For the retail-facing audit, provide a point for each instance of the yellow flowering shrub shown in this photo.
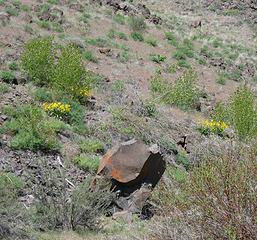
(212, 127)
(57, 109)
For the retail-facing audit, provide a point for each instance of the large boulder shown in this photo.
(132, 164)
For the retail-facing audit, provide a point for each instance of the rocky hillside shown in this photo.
(79, 77)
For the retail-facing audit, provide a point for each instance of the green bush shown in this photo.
(38, 59)
(43, 95)
(137, 36)
(223, 190)
(4, 88)
(182, 158)
(89, 56)
(137, 24)
(157, 58)
(244, 113)
(32, 129)
(7, 77)
(240, 113)
(120, 19)
(151, 41)
(184, 93)
(171, 38)
(69, 74)
(91, 146)
(184, 50)
(87, 162)
(13, 11)
(158, 84)
(13, 66)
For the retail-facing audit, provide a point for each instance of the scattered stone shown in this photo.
(106, 51)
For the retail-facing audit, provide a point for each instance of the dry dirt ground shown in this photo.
(126, 69)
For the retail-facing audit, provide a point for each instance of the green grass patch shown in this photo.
(87, 162)
(32, 129)
(137, 36)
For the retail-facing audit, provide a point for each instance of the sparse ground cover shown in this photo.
(76, 78)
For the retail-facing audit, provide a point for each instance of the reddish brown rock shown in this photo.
(132, 164)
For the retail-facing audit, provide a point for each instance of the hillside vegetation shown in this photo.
(78, 77)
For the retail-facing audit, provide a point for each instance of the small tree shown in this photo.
(69, 74)
(38, 59)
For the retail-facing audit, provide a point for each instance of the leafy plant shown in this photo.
(4, 88)
(69, 74)
(38, 59)
(91, 146)
(184, 50)
(32, 129)
(120, 19)
(89, 56)
(151, 41)
(13, 66)
(171, 38)
(184, 93)
(87, 162)
(137, 36)
(222, 189)
(240, 113)
(158, 58)
(7, 77)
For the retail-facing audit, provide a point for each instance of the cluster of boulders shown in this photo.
(129, 9)
(248, 8)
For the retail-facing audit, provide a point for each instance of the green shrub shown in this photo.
(43, 95)
(151, 41)
(240, 113)
(120, 19)
(182, 158)
(87, 162)
(137, 36)
(123, 56)
(184, 50)
(44, 24)
(122, 35)
(38, 59)
(91, 146)
(223, 190)
(10, 208)
(32, 129)
(184, 64)
(7, 77)
(171, 38)
(149, 109)
(89, 56)
(13, 66)
(222, 78)
(158, 84)
(4, 88)
(69, 74)
(244, 113)
(12, 11)
(158, 58)
(137, 24)
(88, 206)
(184, 92)
(99, 42)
